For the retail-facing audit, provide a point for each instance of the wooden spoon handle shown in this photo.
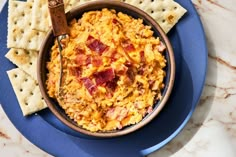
(58, 17)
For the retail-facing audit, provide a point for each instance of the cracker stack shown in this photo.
(28, 23)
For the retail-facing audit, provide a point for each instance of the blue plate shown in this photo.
(45, 131)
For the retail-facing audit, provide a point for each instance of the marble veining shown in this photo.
(212, 129)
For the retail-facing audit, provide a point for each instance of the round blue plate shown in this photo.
(45, 131)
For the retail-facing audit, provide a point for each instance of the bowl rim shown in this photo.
(168, 87)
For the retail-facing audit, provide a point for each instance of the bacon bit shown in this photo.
(97, 61)
(112, 84)
(161, 47)
(90, 86)
(88, 60)
(96, 45)
(104, 76)
(127, 45)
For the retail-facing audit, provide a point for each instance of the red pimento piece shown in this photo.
(97, 61)
(141, 70)
(90, 86)
(96, 45)
(76, 71)
(113, 56)
(142, 57)
(131, 75)
(79, 50)
(127, 45)
(114, 21)
(104, 76)
(81, 59)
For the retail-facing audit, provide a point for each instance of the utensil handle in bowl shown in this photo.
(58, 17)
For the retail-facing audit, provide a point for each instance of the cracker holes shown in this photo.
(26, 103)
(37, 33)
(23, 14)
(29, 41)
(31, 93)
(21, 90)
(163, 21)
(30, 23)
(152, 0)
(15, 75)
(140, 2)
(163, 10)
(16, 52)
(15, 5)
(30, 63)
(152, 11)
(27, 52)
(175, 8)
(15, 22)
(26, 80)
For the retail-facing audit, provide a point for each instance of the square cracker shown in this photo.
(26, 60)
(40, 14)
(166, 12)
(20, 34)
(27, 91)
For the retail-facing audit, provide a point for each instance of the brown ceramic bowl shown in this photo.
(44, 56)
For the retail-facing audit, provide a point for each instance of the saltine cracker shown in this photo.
(20, 34)
(24, 59)
(27, 91)
(166, 12)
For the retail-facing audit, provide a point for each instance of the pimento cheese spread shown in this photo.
(113, 71)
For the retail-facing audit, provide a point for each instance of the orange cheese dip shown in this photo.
(112, 71)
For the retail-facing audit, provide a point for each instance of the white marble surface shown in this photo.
(212, 129)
